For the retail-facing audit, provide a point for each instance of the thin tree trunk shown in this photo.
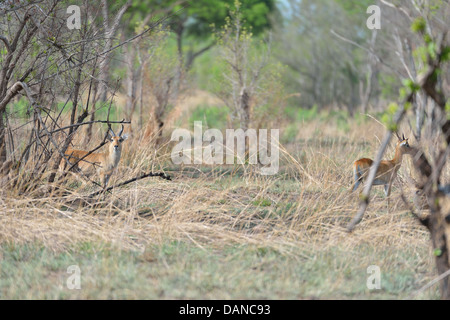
(3, 153)
(179, 30)
(92, 118)
(131, 83)
(109, 33)
(141, 94)
(193, 55)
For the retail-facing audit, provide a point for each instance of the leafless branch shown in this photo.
(150, 174)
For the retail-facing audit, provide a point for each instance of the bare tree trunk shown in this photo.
(420, 115)
(141, 91)
(131, 92)
(372, 65)
(133, 75)
(92, 117)
(179, 30)
(194, 55)
(244, 109)
(3, 154)
(160, 125)
(5, 74)
(436, 226)
(162, 99)
(109, 33)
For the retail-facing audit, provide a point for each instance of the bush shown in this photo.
(214, 116)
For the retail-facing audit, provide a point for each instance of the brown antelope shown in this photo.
(387, 171)
(104, 163)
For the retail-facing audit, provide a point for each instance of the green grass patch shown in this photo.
(262, 202)
(183, 270)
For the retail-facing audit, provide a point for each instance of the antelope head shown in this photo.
(403, 144)
(115, 147)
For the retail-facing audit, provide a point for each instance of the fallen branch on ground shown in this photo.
(150, 174)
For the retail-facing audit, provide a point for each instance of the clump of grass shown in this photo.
(262, 202)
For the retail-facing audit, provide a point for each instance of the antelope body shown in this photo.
(387, 170)
(103, 163)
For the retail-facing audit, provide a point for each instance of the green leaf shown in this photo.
(432, 50)
(363, 197)
(393, 107)
(445, 55)
(421, 53)
(393, 126)
(411, 85)
(403, 92)
(262, 202)
(419, 25)
(437, 252)
(447, 109)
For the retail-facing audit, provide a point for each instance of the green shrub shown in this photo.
(19, 108)
(290, 133)
(214, 116)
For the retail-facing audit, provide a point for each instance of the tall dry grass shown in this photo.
(300, 213)
(306, 205)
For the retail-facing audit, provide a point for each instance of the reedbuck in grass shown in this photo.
(387, 171)
(103, 163)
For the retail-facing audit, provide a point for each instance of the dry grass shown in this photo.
(300, 214)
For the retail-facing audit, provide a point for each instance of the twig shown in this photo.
(431, 283)
(368, 50)
(395, 6)
(107, 51)
(5, 40)
(89, 122)
(150, 174)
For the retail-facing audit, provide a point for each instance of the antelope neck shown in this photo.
(398, 156)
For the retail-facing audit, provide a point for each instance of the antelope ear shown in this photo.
(125, 136)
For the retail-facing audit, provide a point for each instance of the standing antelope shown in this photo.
(105, 163)
(387, 171)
